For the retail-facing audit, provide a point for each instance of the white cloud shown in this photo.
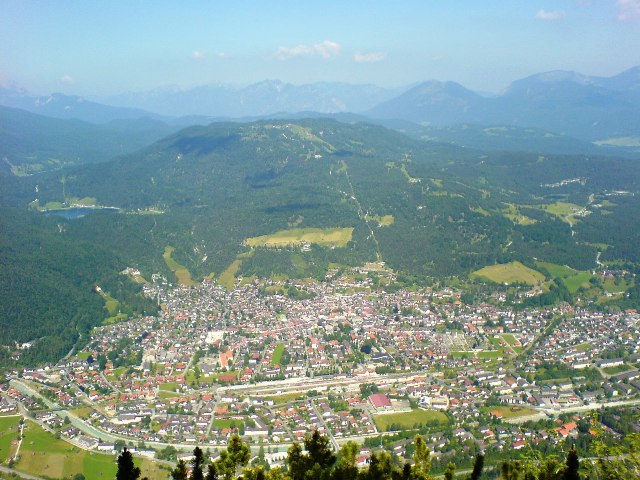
(550, 14)
(223, 55)
(325, 49)
(284, 53)
(371, 57)
(628, 11)
(198, 54)
(67, 79)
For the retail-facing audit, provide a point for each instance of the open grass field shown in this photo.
(512, 212)
(572, 279)
(510, 412)
(82, 412)
(82, 356)
(180, 271)
(330, 237)
(277, 355)
(491, 354)
(510, 339)
(610, 285)
(383, 221)
(111, 304)
(43, 455)
(221, 423)
(578, 280)
(286, 397)
(409, 178)
(555, 270)
(228, 277)
(9, 429)
(563, 210)
(409, 419)
(510, 273)
(169, 386)
(617, 369)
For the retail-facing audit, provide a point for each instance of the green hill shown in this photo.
(32, 143)
(227, 182)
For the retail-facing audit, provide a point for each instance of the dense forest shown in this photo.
(48, 287)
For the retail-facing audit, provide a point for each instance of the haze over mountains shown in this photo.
(568, 103)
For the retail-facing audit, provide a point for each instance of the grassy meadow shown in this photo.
(510, 273)
(330, 237)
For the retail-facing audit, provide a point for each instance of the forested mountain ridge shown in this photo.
(452, 208)
(48, 287)
(31, 143)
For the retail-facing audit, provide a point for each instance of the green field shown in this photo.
(110, 304)
(409, 419)
(512, 212)
(557, 271)
(578, 280)
(617, 369)
(221, 423)
(509, 273)
(169, 386)
(228, 277)
(621, 286)
(8, 433)
(510, 339)
(491, 354)
(383, 221)
(285, 398)
(563, 210)
(509, 412)
(330, 237)
(43, 455)
(182, 274)
(573, 279)
(82, 356)
(277, 355)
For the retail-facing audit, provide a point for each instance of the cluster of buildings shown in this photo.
(272, 368)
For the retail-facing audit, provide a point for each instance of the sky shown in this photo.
(97, 47)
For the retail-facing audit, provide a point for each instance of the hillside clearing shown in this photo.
(228, 277)
(514, 272)
(329, 237)
(180, 271)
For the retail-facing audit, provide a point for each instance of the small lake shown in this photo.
(76, 212)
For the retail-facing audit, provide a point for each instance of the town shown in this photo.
(274, 360)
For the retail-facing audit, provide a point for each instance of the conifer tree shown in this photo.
(126, 469)
(478, 465)
(572, 465)
(197, 462)
(180, 472)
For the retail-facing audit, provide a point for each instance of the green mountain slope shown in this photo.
(47, 286)
(453, 209)
(31, 143)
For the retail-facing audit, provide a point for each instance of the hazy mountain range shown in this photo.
(568, 103)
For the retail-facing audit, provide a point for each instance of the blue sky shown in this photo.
(106, 47)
